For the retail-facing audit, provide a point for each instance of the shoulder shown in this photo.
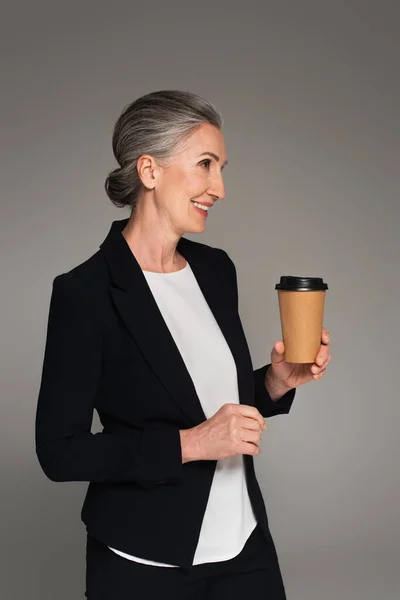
(87, 279)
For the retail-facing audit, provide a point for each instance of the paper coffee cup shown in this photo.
(301, 306)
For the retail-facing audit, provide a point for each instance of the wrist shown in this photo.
(188, 445)
(275, 387)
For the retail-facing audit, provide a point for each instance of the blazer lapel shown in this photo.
(216, 287)
(140, 313)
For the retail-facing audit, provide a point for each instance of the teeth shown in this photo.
(202, 206)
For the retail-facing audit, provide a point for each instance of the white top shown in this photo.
(229, 518)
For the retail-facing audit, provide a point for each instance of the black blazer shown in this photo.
(108, 348)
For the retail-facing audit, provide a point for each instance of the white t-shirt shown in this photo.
(229, 519)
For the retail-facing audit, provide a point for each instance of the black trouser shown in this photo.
(254, 573)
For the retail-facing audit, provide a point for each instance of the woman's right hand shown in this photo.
(234, 429)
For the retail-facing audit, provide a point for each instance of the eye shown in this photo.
(206, 163)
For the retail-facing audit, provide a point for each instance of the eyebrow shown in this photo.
(213, 156)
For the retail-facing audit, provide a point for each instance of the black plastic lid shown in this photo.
(301, 284)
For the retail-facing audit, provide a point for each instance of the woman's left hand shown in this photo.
(291, 375)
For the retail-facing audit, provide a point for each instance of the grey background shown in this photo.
(310, 95)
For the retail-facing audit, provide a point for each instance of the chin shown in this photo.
(195, 227)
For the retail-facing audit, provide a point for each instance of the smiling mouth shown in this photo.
(203, 207)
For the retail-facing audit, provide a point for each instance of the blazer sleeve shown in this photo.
(263, 401)
(65, 447)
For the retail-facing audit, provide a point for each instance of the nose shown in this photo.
(217, 187)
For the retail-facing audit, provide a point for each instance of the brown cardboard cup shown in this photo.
(301, 306)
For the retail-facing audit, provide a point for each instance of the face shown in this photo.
(194, 174)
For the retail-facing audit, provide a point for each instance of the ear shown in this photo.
(148, 170)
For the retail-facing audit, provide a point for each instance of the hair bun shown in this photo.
(118, 188)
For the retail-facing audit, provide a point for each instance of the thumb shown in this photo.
(278, 351)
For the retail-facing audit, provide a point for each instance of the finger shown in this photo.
(253, 424)
(252, 412)
(320, 374)
(252, 437)
(326, 363)
(249, 448)
(323, 356)
(325, 336)
(315, 369)
(278, 351)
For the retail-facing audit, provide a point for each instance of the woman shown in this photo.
(147, 332)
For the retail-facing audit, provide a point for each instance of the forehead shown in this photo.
(206, 138)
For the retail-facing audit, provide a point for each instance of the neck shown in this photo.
(152, 241)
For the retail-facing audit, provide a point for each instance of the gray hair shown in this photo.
(156, 124)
